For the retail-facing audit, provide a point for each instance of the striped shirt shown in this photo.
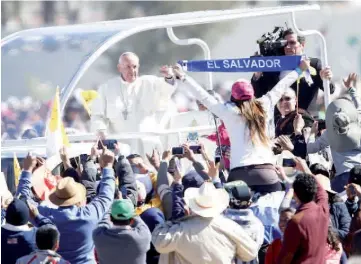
(251, 224)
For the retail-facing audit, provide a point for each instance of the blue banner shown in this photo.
(253, 64)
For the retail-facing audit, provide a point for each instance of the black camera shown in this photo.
(272, 44)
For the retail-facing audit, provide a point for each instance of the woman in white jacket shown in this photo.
(246, 119)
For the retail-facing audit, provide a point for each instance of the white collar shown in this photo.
(10, 227)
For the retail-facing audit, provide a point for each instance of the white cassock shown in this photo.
(144, 105)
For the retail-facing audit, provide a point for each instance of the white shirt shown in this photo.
(131, 107)
(243, 151)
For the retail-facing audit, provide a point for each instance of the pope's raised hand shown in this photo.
(167, 71)
(178, 71)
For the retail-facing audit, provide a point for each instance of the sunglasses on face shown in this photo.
(286, 98)
(291, 43)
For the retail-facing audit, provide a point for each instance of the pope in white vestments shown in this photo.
(129, 103)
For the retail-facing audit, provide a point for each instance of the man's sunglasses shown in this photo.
(286, 98)
(291, 43)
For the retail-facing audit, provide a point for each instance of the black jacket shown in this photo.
(306, 92)
(127, 183)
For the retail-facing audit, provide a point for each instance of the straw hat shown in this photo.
(324, 182)
(206, 201)
(290, 171)
(67, 193)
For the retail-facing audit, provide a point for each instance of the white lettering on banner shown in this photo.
(269, 63)
(278, 63)
(254, 64)
(261, 64)
(210, 64)
(244, 63)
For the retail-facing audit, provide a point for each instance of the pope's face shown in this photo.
(128, 68)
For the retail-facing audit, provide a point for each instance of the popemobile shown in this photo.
(101, 36)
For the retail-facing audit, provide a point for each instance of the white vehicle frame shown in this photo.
(129, 27)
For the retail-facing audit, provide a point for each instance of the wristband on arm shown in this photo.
(299, 71)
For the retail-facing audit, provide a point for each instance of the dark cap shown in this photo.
(17, 213)
(355, 175)
(238, 190)
(192, 180)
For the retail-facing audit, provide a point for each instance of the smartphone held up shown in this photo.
(180, 150)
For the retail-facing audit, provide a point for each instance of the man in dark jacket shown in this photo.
(17, 237)
(127, 183)
(264, 82)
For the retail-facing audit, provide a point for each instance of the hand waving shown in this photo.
(167, 71)
(178, 71)
(154, 160)
(350, 81)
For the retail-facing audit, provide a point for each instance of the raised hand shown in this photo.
(178, 71)
(298, 124)
(350, 81)
(304, 64)
(106, 159)
(301, 165)
(167, 71)
(213, 169)
(30, 162)
(64, 154)
(167, 155)
(285, 143)
(154, 159)
(33, 210)
(188, 153)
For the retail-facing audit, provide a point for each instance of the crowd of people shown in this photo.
(286, 189)
(25, 118)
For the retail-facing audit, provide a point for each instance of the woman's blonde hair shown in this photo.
(256, 119)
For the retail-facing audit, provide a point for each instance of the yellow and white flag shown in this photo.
(17, 170)
(87, 97)
(56, 137)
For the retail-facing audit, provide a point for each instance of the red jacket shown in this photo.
(223, 136)
(273, 251)
(305, 238)
(224, 140)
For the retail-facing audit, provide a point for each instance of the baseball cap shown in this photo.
(242, 89)
(343, 128)
(355, 175)
(238, 190)
(122, 209)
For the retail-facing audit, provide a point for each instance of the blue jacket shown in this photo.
(76, 224)
(19, 241)
(340, 219)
